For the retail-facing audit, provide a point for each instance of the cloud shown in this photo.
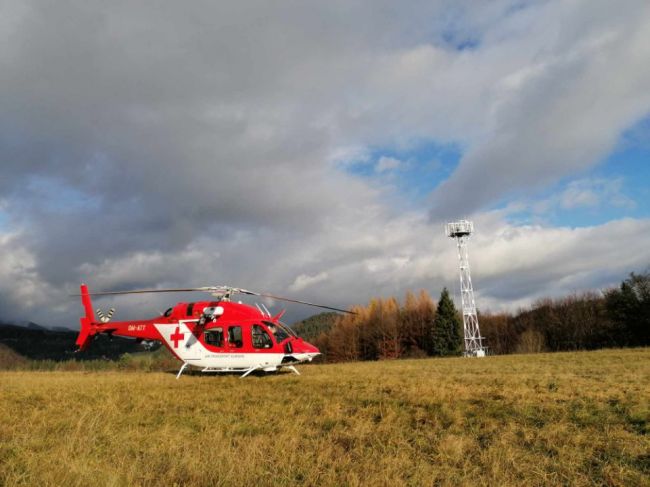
(20, 287)
(537, 261)
(577, 195)
(585, 193)
(511, 265)
(303, 281)
(385, 164)
(559, 112)
(204, 144)
(594, 192)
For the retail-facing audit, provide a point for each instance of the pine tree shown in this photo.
(629, 309)
(446, 337)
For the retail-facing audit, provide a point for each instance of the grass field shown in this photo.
(565, 418)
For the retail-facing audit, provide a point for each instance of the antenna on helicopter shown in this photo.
(266, 310)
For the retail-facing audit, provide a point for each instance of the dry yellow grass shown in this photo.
(569, 419)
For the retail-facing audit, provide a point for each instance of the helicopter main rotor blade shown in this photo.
(217, 291)
(139, 291)
(279, 298)
(209, 289)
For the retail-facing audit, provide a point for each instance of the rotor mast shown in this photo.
(461, 231)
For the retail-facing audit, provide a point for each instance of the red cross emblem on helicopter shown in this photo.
(177, 336)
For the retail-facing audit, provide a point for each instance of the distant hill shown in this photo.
(9, 359)
(38, 343)
(59, 328)
(313, 326)
(26, 324)
(35, 326)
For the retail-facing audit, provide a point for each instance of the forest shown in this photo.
(419, 326)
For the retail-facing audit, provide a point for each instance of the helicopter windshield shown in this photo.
(280, 331)
(288, 329)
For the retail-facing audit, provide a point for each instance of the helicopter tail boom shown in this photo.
(86, 332)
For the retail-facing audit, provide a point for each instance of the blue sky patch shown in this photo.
(617, 188)
(460, 43)
(4, 221)
(55, 195)
(415, 171)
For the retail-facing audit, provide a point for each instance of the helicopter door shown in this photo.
(235, 357)
(235, 337)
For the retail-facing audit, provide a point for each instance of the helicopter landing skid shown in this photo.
(293, 369)
(249, 371)
(185, 364)
(226, 370)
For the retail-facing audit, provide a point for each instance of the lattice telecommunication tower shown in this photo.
(461, 230)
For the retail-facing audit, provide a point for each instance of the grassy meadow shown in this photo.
(546, 419)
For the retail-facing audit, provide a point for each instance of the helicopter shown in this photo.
(217, 335)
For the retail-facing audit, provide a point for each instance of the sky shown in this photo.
(315, 149)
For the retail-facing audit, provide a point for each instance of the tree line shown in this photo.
(419, 327)
(617, 317)
(384, 329)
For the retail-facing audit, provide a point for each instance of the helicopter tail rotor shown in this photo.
(105, 318)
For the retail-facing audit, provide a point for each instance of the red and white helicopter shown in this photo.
(217, 335)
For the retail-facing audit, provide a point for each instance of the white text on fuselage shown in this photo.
(225, 355)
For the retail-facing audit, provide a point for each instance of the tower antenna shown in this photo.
(461, 231)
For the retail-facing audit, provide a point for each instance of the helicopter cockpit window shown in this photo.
(288, 329)
(261, 338)
(168, 313)
(280, 332)
(214, 337)
(235, 336)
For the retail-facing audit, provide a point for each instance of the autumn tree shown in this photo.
(499, 331)
(416, 322)
(343, 339)
(530, 341)
(389, 330)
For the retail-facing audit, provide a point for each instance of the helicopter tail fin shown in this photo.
(86, 332)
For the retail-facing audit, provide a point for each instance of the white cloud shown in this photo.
(575, 196)
(387, 164)
(595, 192)
(344, 156)
(20, 285)
(586, 193)
(303, 281)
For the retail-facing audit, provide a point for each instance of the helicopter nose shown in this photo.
(301, 346)
(303, 350)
